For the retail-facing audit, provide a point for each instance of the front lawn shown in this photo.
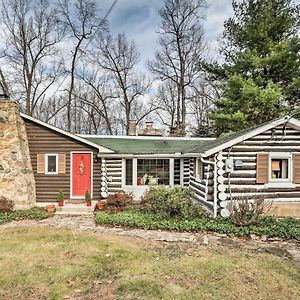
(41, 263)
(29, 214)
(287, 228)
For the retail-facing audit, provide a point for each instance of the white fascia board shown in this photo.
(294, 123)
(66, 133)
(252, 133)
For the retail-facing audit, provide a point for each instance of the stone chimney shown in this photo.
(150, 130)
(132, 128)
(149, 125)
(16, 175)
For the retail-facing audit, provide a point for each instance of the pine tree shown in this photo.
(261, 69)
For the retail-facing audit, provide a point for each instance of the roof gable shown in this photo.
(222, 143)
(101, 149)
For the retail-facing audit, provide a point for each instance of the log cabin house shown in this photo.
(264, 160)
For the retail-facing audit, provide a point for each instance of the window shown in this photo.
(280, 168)
(153, 172)
(177, 169)
(129, 172)
(200, 171)
(51, 163)
(195, 164)
(276, 169)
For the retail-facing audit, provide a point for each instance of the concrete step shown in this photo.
(75, 209)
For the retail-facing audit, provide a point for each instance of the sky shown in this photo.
(139, 19)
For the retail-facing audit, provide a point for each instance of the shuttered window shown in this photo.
(262, 168)
(296, 168)
(51, 163)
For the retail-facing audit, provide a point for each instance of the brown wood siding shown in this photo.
(44, 140)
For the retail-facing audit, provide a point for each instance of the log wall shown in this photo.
(243, 179)
(114, 174)
(204, 187)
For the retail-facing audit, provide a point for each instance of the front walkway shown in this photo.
(284, 249)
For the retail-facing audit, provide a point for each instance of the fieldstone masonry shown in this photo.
(16, 175)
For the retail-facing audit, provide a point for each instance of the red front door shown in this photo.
(81, 174)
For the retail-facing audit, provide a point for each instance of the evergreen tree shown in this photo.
(261, 69)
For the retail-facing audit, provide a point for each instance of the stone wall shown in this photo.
(16, 175)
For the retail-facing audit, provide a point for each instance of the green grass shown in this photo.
(29, 214)
(287, 228)
(41, 263)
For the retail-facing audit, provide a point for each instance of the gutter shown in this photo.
(120, 155)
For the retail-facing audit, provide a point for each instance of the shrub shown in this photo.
(118, 201)
(87, 197)
(6, 205)
(286, 228)
(29, 214)
(175, 202)
(246, 209)
(61, 196)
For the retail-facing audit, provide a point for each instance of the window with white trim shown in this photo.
(51, 164)
(153, 172)
(129, 172)
(139, 172)
(280, 166)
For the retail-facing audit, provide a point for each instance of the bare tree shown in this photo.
(3, 84)
(31, 35)
(118, 58)
(98, 95)
(202, 97)
(181, 48)
(166, 101)
(81, 20)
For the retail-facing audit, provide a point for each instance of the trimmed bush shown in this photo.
(29, 214)
(60, 196)
(87, 197)
(175, 202)
(287, 228)
(118, 201)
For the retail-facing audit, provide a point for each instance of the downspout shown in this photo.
(215, 183)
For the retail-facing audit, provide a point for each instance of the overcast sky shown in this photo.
(139, 19)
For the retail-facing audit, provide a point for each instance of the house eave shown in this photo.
(66, 133)
(287, 119)
(145, 155)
